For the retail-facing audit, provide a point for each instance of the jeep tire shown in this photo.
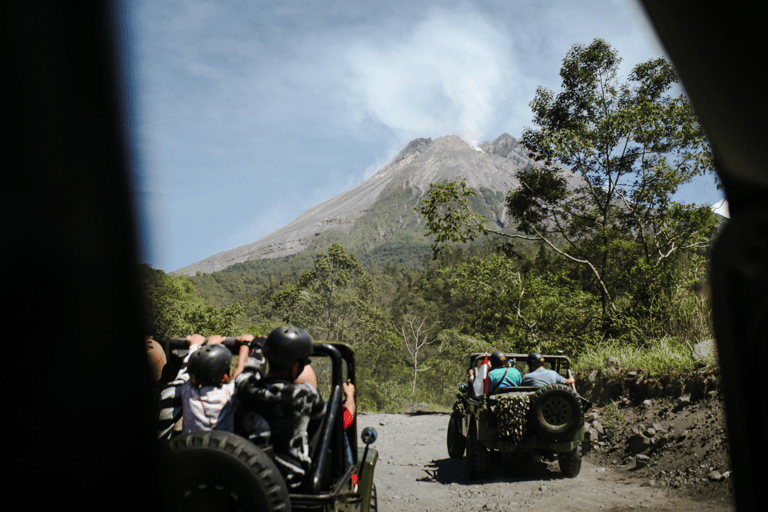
(457, 443)
(220, 471)
(477, 455)
(570, 462)
(556, 412)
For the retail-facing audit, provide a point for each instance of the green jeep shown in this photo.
(547, 420)
(217, 470)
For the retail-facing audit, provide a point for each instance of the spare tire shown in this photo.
(556, 412)
(220, 471)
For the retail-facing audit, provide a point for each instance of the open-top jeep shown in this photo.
(522, 420)
(218, 470)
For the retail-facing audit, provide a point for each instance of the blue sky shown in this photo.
(247, 113)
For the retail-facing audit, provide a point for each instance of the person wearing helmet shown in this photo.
(501, 374)
(277, 409)
(202, 394)
(208, 397)
(540, 376)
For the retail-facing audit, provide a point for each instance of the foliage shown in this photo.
(172, 309)
(451, 219)
(663, 355)
(633, 146)
(331, 299)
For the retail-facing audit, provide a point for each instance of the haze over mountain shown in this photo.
(380, 209)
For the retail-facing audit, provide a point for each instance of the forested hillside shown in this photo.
(612, 264)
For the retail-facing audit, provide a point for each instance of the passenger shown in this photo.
(208, 397)
(277, 410)
(501, 374)
(540, 376)
(308, 375)
(157, 358)
(208, 403)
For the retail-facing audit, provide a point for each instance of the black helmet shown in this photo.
(498, 359)
(535, 360)
(207, 363)
(286, 345)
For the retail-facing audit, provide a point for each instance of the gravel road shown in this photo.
(414, 473)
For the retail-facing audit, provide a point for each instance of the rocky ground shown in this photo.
(658, 453)
(675, 444)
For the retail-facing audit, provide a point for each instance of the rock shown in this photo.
(714, 476)
(638, 443)
(683, 401)
(612, 365)
(641, 461)
(705, 352)
(418, 408)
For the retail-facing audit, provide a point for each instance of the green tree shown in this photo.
(330, 298)
(632, 145)
(171, 308)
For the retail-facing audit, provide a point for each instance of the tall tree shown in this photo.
(632, 145)
(329, 298)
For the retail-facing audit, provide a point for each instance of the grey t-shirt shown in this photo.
(542, 377)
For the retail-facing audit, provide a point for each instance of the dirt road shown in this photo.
(414, 473)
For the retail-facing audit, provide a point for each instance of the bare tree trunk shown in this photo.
(415, 334)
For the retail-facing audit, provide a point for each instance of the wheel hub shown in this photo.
(556, 411)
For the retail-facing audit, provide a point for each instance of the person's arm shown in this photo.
(244, 353)
(254, 370)
(349, 389)
(349, 405)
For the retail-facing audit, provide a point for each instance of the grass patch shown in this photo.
(612, 416)
(660, 356)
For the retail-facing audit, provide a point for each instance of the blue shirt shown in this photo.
(497, 379)
(542, 377)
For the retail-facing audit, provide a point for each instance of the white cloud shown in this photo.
(445, 76)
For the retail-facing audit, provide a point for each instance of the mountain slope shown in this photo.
(491, 166)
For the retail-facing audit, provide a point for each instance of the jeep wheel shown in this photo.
(477, 454)
(556, 412)
(570, 462)
(456, 440)
(220, 471)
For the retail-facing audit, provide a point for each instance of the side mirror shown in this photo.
(369, 435)
(462, 388)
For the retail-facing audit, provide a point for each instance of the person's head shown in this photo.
(157, 358)
(534, 360)
(498, 360)
(287, 349)
(209, 365)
